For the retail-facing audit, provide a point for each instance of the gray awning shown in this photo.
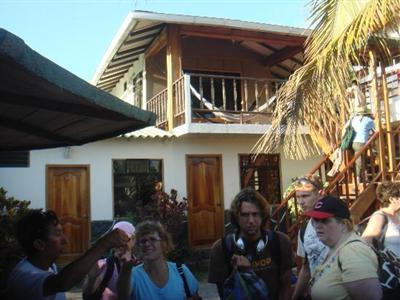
(43, 105)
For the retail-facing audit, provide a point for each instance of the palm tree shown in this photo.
(344, 33)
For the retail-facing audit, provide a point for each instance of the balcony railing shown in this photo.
(204, 98)
(158, 105)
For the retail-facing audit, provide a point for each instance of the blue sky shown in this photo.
(76, 33)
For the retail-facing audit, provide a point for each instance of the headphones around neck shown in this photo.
(241, 244)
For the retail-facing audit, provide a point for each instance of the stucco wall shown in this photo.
(29, 183)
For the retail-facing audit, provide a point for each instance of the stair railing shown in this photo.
(344, 185)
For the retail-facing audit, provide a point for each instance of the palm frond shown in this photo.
(314, 95)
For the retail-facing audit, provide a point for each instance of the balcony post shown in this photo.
(174, 67)
(377, 111)
(188, 99)
(389, 135)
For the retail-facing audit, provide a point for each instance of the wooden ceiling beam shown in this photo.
(241, 35)
(157, 44)
(108, 72)
(279, 76)
(129, 55)
(129, 50)
(112, 75)
(282, 67)
(119, 64)
(146, 29)
(295, 60)
(282, 55)
(140, 38)
(112, 80)
(108, 87)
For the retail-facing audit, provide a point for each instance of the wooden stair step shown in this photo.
(363, 202)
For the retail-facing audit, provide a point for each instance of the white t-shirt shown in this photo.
(26, 282)
(392, 234)
(313, 248)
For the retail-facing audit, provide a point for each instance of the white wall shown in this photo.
(29, 183)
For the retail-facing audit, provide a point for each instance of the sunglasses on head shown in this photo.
(305, 180)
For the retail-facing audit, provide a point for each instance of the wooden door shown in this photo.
(68, 195)
(205, 199)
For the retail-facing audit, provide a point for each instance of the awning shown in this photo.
(43, 105)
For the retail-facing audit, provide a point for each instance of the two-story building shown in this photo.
(212, 83)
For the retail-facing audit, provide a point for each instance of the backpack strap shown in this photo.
(303, 228)
(185, 284)
(384, 229)
(275, 246)
(98, 293)
(338, 257)
(227, 250)
(107, 276)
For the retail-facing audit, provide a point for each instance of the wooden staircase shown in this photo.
(360, 196)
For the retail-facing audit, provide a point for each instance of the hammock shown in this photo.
(231, 117)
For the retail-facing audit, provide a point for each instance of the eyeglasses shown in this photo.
(151, 240)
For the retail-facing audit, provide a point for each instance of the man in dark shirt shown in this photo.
(254, 248)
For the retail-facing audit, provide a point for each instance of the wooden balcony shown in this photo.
(204, 98)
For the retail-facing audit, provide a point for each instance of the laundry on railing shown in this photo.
(228, 116)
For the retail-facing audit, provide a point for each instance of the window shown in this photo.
(262, 174)
(134, 181)
(13, 159)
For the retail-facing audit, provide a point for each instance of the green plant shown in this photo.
(11, 210)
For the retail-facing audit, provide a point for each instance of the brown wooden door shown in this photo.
(68, 195)
(205, 196)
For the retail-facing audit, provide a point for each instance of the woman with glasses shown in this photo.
(156, 278)
(350, 269)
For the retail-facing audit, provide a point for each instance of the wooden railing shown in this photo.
(231, 99)
(158, 105)
(213, 98)
(179, 101)
(286, 216)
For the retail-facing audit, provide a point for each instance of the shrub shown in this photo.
(11, 210)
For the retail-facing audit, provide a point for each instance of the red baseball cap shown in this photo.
(329, 207)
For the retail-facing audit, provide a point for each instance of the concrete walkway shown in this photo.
(206, 291)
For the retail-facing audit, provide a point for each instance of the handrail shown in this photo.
(338, 177)
(235, 77)
(156, 95)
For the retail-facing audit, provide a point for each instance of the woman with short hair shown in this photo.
(156, 278)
